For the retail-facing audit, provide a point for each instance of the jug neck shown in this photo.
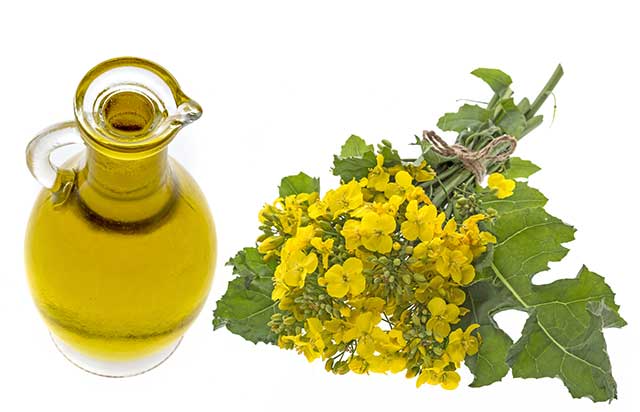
(126, 190)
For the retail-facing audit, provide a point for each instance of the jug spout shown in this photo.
(188, 112)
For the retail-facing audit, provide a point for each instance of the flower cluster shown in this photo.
(371, 277)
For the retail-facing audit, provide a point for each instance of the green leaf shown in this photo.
(563, 334)
(484, 300)
(249, 265)
(469, 116)
(524, 197)
(355, 146)
(520, 168)
(512, 120)
(353, 167)
(391, 156)
(498, 80)
(300, 183)
(528, 239)
(524, 105)
(355, 160)
(246, 307)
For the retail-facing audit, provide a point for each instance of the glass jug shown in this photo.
(120, 246)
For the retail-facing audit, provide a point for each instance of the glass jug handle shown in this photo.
(58, 180)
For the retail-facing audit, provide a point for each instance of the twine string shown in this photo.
(474, 161)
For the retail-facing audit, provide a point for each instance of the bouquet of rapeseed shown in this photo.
(402, 267)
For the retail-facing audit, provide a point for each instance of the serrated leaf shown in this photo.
(528, 239)
(246, 307)
(498, 80)
(249, 265)
(520, 168)
(353, 167)
(355, 146)
(512, 120)
(523, 197)
(563, 334)
(300, 183)
(468, 116)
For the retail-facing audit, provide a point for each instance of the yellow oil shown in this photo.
(121, 288)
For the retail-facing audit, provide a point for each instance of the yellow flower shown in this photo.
(378, 177)
(279, 290)
(314, 329)
(389, 342)
(287, 212)
(435, 376)
(375, 230)
(303, 236)
(418, 194)
(486, 237)
(403, 184)
(501, 185)
(345, 278)
(371, 335)
(318, 209)
(456, 264)
(351, 233)
(421, 223)
(337, 328)
(442, 314)
(422, 175)
(324, 247)
(371, 304)
(362, 323)
(383, 363)
(345, 198)
(311, 344)
(295, 266)
(386, 206)
(462, 343)
(357, 365)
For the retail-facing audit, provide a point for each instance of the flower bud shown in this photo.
(270, 243)
(328, 365)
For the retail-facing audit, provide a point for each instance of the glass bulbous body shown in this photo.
(120, 250)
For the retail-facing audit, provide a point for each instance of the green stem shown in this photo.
(441, 197)
(493, 102)
(546, 91)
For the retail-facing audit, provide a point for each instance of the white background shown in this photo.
(283, 84)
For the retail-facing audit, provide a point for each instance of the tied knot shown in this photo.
(473, 161)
